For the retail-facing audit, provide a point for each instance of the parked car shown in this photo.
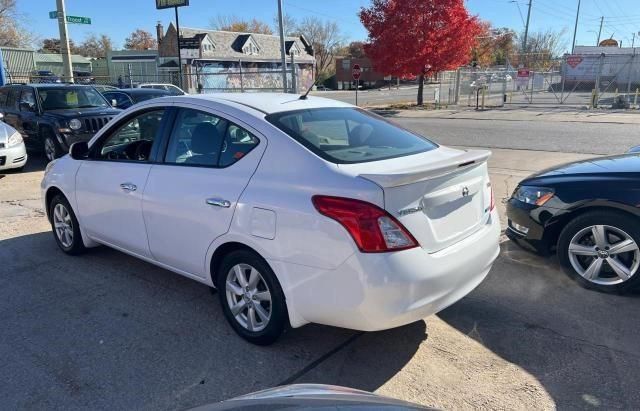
(51, 117)
(588, 213)
(298, 210)
(83, 77)
(125, 98)
(322, 88)
(43, 76)
(311, 397)
(13, 153)
(102, 88)
(174, 90)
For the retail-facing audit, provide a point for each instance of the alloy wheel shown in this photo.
(63, 225)
(604, 254)
(248, 297)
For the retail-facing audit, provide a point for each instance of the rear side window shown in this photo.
(12, 98)
(349, 135)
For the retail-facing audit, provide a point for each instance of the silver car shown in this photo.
(13, 154)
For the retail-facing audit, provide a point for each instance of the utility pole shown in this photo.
(179, 49)
(575, 29)
(633, 40)
(283, 51)
(526, 28)
(600, 31)
(67, 73)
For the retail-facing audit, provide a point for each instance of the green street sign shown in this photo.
(78, 20)
(71, 19)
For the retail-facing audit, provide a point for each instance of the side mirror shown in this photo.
(79, 150)
(114, 103)
(1, 116)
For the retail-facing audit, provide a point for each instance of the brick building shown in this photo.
(368, 77)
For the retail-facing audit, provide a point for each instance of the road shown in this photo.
(568, 137)
(107, 331)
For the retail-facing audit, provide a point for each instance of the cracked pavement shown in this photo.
(107, 331)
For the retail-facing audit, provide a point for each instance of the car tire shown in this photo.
(65, 227)
(247, 299)
(602, 265)
(51, 148)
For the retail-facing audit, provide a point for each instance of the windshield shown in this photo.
(61, 98)
(349, 135)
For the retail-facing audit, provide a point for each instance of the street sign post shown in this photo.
(174, 4)
(356, 71)
(71, 19)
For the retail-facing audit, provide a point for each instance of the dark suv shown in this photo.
(51, 117)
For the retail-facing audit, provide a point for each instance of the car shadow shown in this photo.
(579, 344)
(109, 330)
(35, 162)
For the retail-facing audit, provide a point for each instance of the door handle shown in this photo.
(128, 187)
(218, 202)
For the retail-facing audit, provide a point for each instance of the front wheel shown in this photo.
(251, 297)
(64, 224)
(600, 251)
(51, 149)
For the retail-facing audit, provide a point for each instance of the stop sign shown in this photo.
(356, 71)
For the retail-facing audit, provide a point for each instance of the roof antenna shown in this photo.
(304, 96)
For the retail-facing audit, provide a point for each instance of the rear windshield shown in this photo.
(349, 135)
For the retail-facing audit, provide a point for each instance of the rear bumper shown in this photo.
(14, 157)
(372, 292)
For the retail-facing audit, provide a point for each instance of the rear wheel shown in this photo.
(600, 251)
(251, 297)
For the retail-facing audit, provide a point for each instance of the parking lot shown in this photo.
(105, 330)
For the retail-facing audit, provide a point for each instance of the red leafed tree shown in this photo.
(414, 37)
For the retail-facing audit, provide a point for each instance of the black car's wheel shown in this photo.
(51, 148)
(65, 227)
(600, 251)
(251, 297)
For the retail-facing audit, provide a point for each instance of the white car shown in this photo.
(13, 154)
(173, 90)
(298, 210)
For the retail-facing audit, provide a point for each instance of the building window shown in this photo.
(346, 64)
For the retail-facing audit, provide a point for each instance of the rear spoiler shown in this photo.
(469, 159)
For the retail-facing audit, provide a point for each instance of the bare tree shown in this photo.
(326, 40)
(290, 25)
(543, 49)
(236, 24)
(95, 46)
(13, 32)
(140, 40)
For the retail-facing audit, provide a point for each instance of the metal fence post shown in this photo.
(241, 76)
(130, 79)
(294, 87)
(597, 86)
(629, 77)
(457, 87)
(563, 74)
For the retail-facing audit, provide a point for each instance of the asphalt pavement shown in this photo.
(107, 331)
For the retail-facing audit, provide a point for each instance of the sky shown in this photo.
(118, 18)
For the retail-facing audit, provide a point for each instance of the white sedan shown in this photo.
(298, 210)
(13, 154)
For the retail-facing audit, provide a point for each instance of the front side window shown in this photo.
(27, 100)
(63, 98)
(133, 140)
(122, 100)
(203, 139)
(349, 135)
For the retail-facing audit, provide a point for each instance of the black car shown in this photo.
(83, 77)
(125, 98)
(589, 213)
(51, 117)
(43, 76)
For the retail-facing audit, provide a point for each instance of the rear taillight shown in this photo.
(373, 229)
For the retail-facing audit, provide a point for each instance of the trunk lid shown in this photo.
(441, 196)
